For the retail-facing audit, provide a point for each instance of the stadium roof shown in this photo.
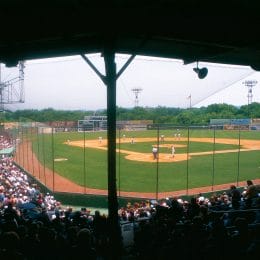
(212, 31)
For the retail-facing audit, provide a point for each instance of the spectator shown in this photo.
(10, 243)
(84, 246)
(193, 208)
(235, 194)
(251, 190)
(250, 194)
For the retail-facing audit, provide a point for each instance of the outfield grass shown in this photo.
(90, 166)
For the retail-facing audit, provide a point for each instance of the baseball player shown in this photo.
(173, 151)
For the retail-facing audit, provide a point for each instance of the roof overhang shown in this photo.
(220, 32)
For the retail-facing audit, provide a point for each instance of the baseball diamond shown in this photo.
(247, 145)
(56, 182)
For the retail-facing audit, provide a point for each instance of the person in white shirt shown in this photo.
(173, 151)
(155, 152)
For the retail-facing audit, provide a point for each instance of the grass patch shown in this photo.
(89, 167)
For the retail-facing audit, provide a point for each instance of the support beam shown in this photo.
(114, 228)
(92, 66)
(109, 80)
(125, 66)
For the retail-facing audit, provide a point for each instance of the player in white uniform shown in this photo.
(155, 152)
(173, 151)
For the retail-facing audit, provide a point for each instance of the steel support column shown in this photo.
(110, 80)
(110, 67)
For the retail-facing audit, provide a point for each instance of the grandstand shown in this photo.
(231, 124)
(198, 227)
(130, 125)
(92, 123)
(255, 125)
(99, 123)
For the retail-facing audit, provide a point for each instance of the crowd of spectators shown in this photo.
(5, 142)
(223, 226)
(34, 225)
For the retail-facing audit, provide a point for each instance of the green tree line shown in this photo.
(160, 114)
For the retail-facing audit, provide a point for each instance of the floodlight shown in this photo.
(202, 72)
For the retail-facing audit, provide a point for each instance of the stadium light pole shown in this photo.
(189, 97)
(136, 91)
(249, 84)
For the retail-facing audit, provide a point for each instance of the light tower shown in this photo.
(249, 84)
(136, 91)
(12, 89)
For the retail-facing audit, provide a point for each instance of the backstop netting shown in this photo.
(204, 159)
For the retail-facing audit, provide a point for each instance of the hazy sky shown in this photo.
(69, 83)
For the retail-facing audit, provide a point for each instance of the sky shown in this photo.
(68, 83)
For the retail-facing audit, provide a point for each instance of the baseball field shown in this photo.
(76, 161)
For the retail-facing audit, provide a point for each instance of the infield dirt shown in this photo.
(247, 145)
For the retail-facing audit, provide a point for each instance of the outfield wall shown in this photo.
(207, 159)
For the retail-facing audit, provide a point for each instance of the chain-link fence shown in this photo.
(187, 160)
